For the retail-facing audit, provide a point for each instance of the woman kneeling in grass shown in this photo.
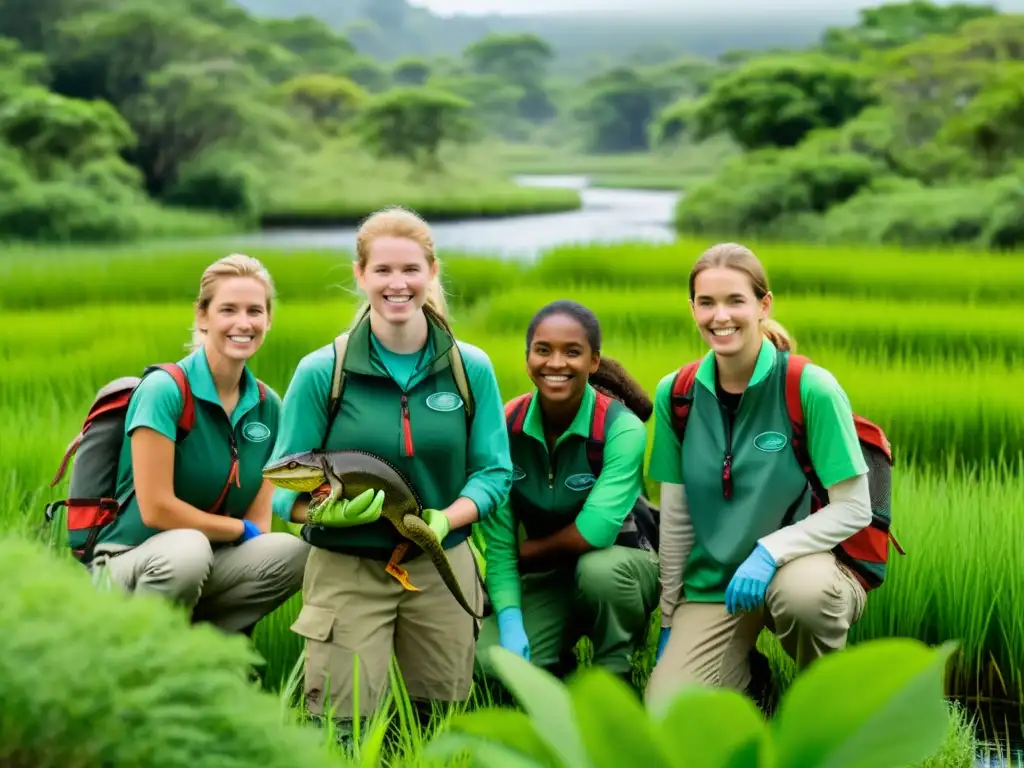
(404, 400)
(739, 550)
(195, 525)
(581, 569)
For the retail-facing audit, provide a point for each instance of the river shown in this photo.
(606, 216)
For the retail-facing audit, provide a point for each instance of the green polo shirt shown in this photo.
(767, 479)
(553, 489)
(202, 461)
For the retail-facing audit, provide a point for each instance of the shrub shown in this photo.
(760, 193)
(93, 679)
(218, 183)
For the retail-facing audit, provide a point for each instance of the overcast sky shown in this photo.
(698, 8)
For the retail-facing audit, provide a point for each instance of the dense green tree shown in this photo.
(894, 24)
(519, 59)
(413, 123)
(777, 101)
(617, 109)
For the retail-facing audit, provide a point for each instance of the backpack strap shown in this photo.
(515, 417)
(681, 397)
(595, 441)
(337, 385)
(187, 418)
(263, 390)
(462, 381)
(795, 365)
(515, 413)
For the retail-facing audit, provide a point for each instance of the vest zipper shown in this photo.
(234, 461)
(406, 426)
(727, 462)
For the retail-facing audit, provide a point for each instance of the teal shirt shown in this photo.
(202, 461)
(767, 479)
(369, 406)
(401, 367)
(552, 490)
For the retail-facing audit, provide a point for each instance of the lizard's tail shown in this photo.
(419, 533)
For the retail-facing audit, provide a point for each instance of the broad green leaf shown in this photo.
(546, 700)
(507, 727)
(875, 705)
(715, 728)
(615, 728)
(484, 753)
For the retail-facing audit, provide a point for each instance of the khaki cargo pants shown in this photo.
(230, 587)
(811, 604)
(352, 607)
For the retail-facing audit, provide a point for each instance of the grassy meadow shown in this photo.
(673, 167)
(912, 337)
(339, 185)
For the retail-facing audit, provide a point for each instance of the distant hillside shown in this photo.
(391, 29)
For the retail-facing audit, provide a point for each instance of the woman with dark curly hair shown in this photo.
(584, 566)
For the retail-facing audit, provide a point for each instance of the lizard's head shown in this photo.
(303, 472)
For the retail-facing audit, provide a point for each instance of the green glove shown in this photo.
(438, 521)
(345, 513)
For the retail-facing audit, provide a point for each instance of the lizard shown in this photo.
(349, 473)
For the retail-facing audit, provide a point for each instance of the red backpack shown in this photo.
(866, 552)
(91, 502)
(640, 528)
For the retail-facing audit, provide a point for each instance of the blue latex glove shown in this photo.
(511, 633)
(662, 642)
(250, 532)
(750, 582)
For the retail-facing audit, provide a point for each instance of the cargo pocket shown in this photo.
(316, 625)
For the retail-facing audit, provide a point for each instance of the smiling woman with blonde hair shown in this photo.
(428, 404)
(740, 549)
(194, 524)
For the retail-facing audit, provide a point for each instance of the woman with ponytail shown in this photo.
(403, 401)
(740, 550)
(581, 569)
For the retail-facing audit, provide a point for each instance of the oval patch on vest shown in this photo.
(256, 432)
(770, 442)
(518, 473)
(580, 482)
(444, 402)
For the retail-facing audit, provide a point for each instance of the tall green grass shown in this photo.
(37, 278)
(946, 281)
(886, 326)
(932, 409)
(838, 271)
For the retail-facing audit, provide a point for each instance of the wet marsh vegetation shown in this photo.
(913, 337)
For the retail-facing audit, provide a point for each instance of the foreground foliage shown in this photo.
(880, 704)
(93, 679)
(126, 681)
